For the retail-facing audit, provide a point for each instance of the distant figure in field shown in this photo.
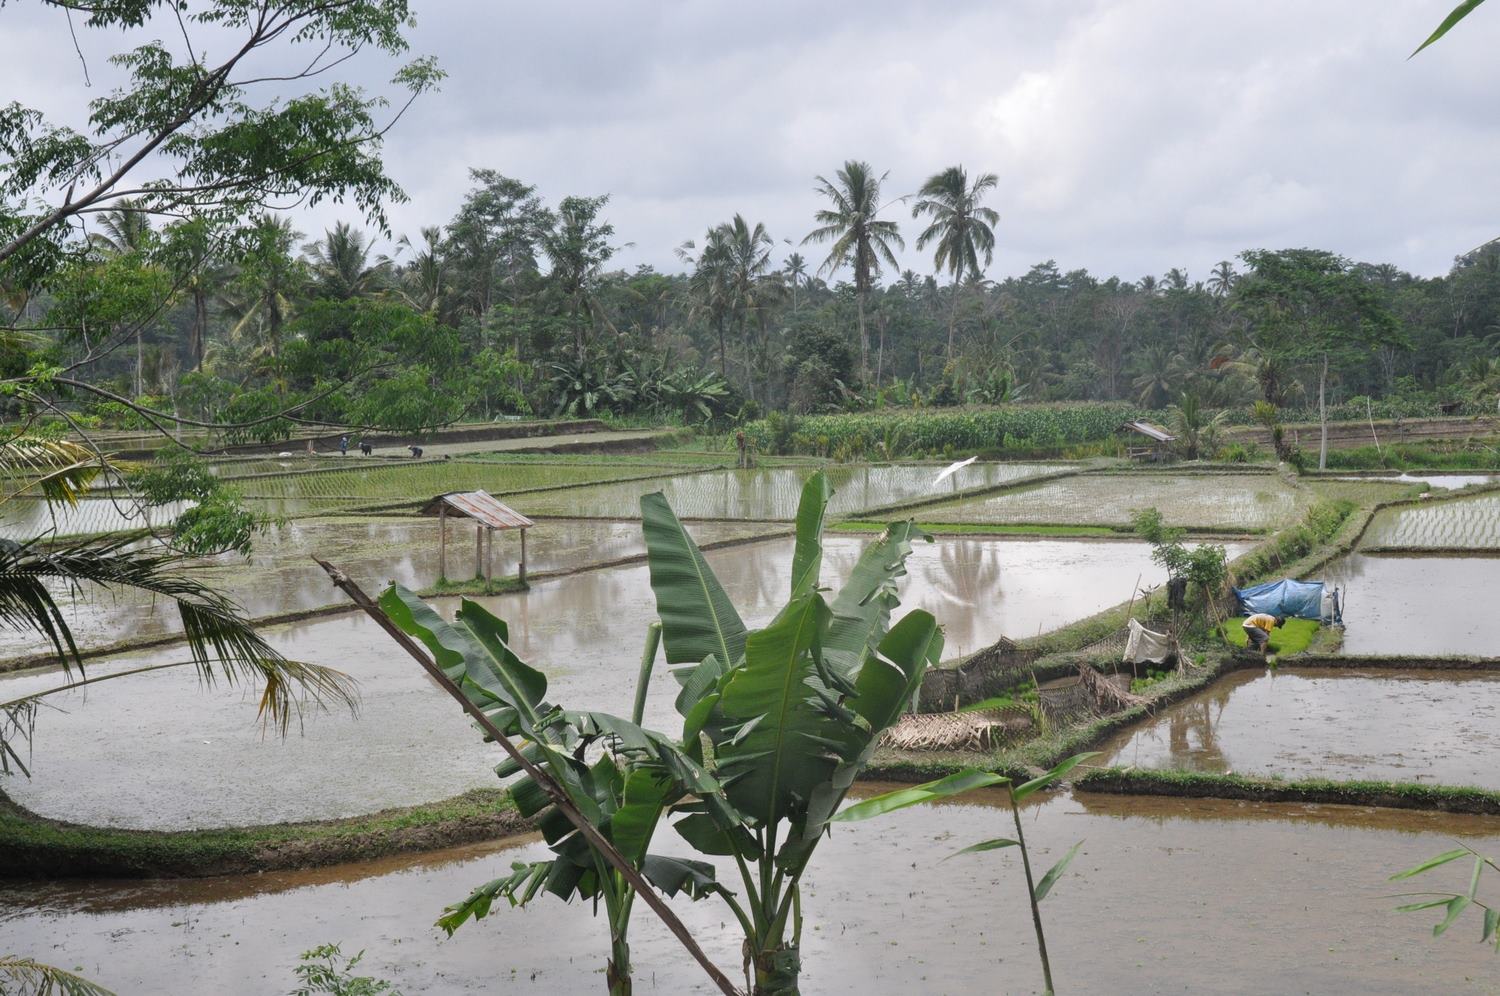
(344, 445)
(1258, 630)
(416, 451)
(365, 448)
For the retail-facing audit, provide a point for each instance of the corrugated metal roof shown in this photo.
(480, 506)
(1156, 432)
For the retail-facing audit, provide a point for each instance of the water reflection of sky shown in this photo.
(411, 744)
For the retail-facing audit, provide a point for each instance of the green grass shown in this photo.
(1448, 454)
(474, 586)
(1203, 785)
(1292, 637)
(39, 848)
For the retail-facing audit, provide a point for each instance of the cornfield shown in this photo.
(1013, 427)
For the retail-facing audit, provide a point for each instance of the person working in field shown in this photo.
(1258, 630)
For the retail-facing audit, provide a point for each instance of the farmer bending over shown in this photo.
(1258, 630)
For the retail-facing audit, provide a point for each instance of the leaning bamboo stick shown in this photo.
(547, 783)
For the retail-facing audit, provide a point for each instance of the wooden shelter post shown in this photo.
(489, 560)
(442, 543)
(523, 554)
(478, 550)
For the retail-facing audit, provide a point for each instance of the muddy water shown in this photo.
(281, 577)
(1424, 726)
(774, 493)
(1197, 896)
(1409, 605)
(411, 744)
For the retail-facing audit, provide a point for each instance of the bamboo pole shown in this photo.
(543, 779)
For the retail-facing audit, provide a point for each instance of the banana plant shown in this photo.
(784, 718)
(968, 780)
(624, 793)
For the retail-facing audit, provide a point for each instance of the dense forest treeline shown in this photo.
(512, 306)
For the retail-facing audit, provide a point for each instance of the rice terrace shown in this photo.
(411, 584)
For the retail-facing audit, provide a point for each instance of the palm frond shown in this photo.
(24, 977)
(222, 644)
(58, 469)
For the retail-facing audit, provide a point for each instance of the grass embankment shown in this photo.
(1291, 637)
(474, 586)
(1476, 454)
(1200, 785)
(36, 847)
(986, 529)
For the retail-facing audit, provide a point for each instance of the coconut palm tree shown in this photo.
(795, 270)
(424, 280)
(961, 228)
(861, 241)
(710, 282)
(341, 263)
(127, 229)
(749, 250)
(1221, 279)
(265, 286)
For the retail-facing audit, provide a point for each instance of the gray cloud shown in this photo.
(1129, 136)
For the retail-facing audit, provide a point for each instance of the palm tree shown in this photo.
(127, 229)
(795, 269)
(961, 228)
(749, 265)
(1221, 279)
(710, 282)
(268, 279)
(860, 239)
(341, 263)
(424, 280)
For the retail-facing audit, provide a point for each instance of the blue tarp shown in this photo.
(1292, 599)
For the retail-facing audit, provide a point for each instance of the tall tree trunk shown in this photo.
(140, 360)
(723, 362)
(952, 316)
(880, 356)
(200, 327)
(864, 338)
(1323, 415)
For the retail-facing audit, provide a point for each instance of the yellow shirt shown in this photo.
(1262, 621)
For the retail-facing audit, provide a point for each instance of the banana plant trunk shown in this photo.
(777, 971)
(617, 969)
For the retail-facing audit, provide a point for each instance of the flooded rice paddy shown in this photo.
(1447, 482)
(1461, 524)
(1419, 605)
(1166, 895)
(1229, 501)
(773, 493)
(281, 577)
(1441, 727)
(411, 744)
(23, 519)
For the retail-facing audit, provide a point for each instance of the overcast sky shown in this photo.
(1129, 136)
